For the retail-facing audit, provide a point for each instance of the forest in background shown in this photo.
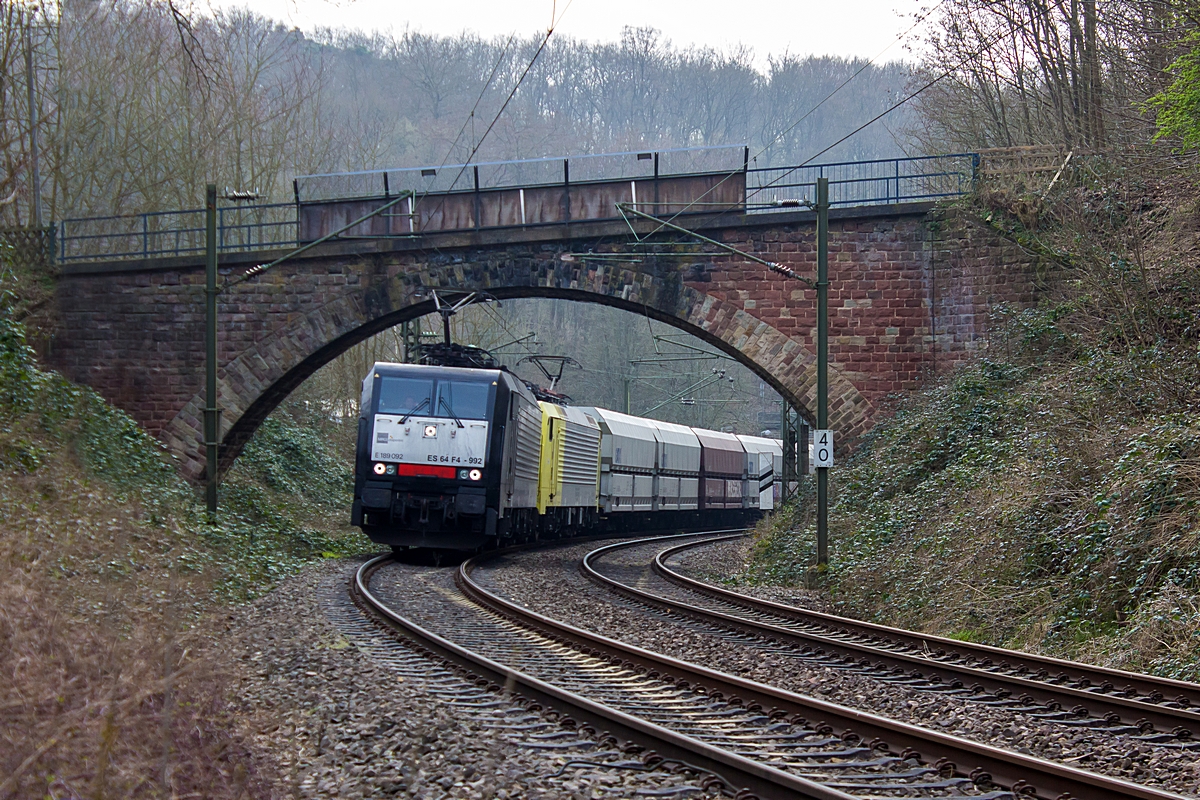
(139, 103)
(139, 106)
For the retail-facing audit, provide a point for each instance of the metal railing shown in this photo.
(256, 227)
(175, 233)
(886, 181)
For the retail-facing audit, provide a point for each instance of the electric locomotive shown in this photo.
(447, 457)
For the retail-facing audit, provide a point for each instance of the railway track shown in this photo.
(760, 740)
(1150, 709)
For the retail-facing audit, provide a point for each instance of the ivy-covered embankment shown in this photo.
(1046, 496)
(111, 681)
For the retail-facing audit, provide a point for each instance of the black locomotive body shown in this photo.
(447, 457)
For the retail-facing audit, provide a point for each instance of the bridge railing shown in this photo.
(514, 174)
(863, 183)
(278, 225)
(175, 233)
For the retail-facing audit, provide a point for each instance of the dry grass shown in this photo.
(101, 691)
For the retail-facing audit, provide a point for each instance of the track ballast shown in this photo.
(758, 739)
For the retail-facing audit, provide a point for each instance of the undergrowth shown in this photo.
(112, 577)
(1046, 496)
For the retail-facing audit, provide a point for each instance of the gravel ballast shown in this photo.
(717, 562)
(334, 707)
(549, 582)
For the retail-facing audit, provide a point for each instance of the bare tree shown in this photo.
(1071, 73)
(21, 27)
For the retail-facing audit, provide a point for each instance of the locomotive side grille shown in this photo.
(580, 446)
(527, 450)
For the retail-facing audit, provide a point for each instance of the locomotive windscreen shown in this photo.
(405, 395)
(462, 399)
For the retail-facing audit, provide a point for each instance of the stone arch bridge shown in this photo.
(908, 299)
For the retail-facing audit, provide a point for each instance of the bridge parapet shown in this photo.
(519, 194)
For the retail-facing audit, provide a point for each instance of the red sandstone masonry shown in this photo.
(904, 304)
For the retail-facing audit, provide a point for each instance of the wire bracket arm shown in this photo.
(627, 208)
(261, 268)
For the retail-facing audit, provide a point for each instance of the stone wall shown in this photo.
(974, 271)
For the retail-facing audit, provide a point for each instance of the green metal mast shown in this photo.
(211, 415)
(822, 364)
(410, 334)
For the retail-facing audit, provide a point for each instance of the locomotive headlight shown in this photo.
(431, 431)
(380, 469)
(462, 474)
(474, 474)
(391, 469)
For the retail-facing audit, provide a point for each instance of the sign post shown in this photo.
(822, 372)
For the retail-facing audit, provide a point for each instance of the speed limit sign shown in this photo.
(823, 448)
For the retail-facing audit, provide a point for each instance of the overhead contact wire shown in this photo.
(528, 67)
(944, 74)
(482, 92)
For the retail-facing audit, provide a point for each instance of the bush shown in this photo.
(1047, 495)
(1177, 108)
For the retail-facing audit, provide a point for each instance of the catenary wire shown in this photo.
(528, 67)
(482, 92)
(944, 74)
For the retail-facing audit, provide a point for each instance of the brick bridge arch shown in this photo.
(906, 299)
(257, 380)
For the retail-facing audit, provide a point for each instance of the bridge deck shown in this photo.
(524, 206)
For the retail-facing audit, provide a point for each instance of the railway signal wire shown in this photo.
(512, 93)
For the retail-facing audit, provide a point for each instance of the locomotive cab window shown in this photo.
(405, 396)
(462, 399)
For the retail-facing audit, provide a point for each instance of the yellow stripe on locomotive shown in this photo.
(550, 465)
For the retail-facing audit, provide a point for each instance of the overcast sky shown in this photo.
(771, 27)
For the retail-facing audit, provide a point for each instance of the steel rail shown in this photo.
(1074, 677)
(1020, 773)
(735, 770)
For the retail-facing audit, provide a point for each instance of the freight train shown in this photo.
(453, 458)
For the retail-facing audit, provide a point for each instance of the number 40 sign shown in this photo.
(822, 448)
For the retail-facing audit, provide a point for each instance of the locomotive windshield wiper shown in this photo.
(442, 403)
(418, 407)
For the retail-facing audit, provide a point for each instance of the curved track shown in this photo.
(762, 740)
(1155, 710)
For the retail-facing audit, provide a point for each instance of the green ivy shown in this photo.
(1177, 108)
(18, 377)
